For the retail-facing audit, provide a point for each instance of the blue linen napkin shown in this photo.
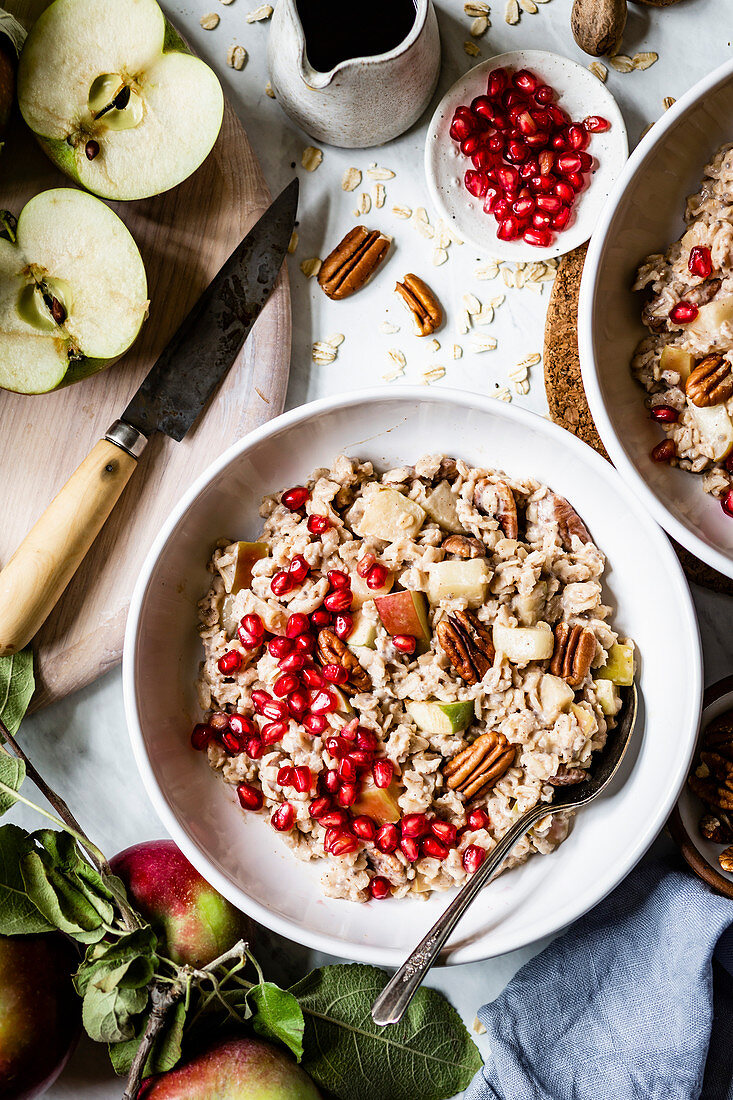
(628, 1004)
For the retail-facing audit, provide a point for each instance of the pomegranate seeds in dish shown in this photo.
(391, 698)
(685, 363)
(529, 158)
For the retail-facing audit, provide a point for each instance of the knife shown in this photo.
(176, 389)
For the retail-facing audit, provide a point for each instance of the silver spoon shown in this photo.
(392, 1002)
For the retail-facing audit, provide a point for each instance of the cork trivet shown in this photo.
(566, 396)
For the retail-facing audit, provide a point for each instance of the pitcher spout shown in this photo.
(312, 77)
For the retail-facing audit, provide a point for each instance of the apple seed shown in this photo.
(91, 149)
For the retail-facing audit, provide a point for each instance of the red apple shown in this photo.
(233, 1069)
(195, 922)
(40, 1013)
(404, 613)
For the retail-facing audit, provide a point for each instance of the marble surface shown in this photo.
(81, 744)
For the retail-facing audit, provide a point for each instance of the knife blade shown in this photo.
(171, 397)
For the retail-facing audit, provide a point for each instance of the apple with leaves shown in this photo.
(193, 920)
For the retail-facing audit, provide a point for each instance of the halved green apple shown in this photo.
(115, 98)
(437, 717)
(73, 292)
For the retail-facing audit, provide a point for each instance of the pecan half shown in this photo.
(710, 383)
(725, 859)
(567, 777)
(352, 262)
(463, 547)
(556, 509)
(422, 304)
(716, 828)
(467, 644)
(575, 648)
(333, 651)
(480, 765)
(496, 499)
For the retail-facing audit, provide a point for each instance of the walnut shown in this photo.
(480, 765)
(463, 547)
(725, 859)
(716, 828)
(712, 776)
(710, 383)
(332, 651)
(567, 777)
(352, 262)
(496, 499)
(467, 644)
(575, 648)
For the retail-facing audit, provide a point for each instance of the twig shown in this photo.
(162, 1001)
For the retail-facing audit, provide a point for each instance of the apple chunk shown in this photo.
(436, 717)
(361, 593)
(522, 644)
(389, 515)
(440, 506)
(363, 633)
(73, 292)
(115, 98)
(380, 803)
(676, 359)
(715, 427)
(459, 580)
(239, 575)
(404, 613)
(619, 668)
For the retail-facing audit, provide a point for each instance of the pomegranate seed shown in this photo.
(526, 81)
(414, 825)
(320, 617)
(544, 94)
(459, 129)
(336, 747)
(664, 451)
(334, 819)
(249, 641)
(343, 845)
(299, 569)
(240, 724)
(578, 137)
(232, 742)
(253, 625)
(283, 818)
(665, 414)
(364, 564)
(508, 229)
(340, 600)
(323, 702)
(338, 579)
(485, 160)
(558, 116)
(382, 773)
(476, 183)
(483, 107)
(387, 839)
(319, 807)
(201, 735)
(523, 208)
(349, 731)
(315, 723)
(305, 643)
(318, 524)
(279, 647)
(302, 778)
(331, 782)
(546, 162)
(312, 677)
(410, 848)
(595, 124)
(335, 674)
(700, 262)
(295, 498)
(366, 740)
(364, 827)
(332, 834)
(498, 81)
(569, 162)
(273, 732)
(726, 503)
(502, 209)
(259, 699)
(285, 684)
(379, 888)
(347, 794)
(281, 583)
(230, 662)
(254, 748)
(431, 846)
(377, 576)
(473, 857)
(479, 819)
(586, 161)
(526, 123)
(275, 710)
(297, 704)
(541, 220)
(347, 770)
(550, 204)
(405, 643)
(343, 626)
(508, 177)
(576, 181)
(285, 775)
(538, 140)
(470, 145)
(250, 798)
(445, 832)
(496, 143)
(560, 141)
(297, 623)
(361, 759)
(219, 720)
(516, 152)
(294, 662)
(564, 192)
(683, 313)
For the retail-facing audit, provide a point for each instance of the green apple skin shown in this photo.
(436, 717)
(234, 1069)
(195, 923)
(40, 1013)
(404, 613)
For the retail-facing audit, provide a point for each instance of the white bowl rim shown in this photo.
(693, 542)
(557, 919)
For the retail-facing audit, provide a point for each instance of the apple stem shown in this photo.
(162, 1001)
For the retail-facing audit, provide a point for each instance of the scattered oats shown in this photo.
(209, 22)
(439, 257)
(388, 327)
(622, 63)
(529, 6)
(478, 1027)
(543, 1)
(464, 322)
(402, 212)
(511, 14)
(335, 340)
(529, 361)
(269, 90)
(476, 8)
(261, 394)
(365, 203)
(311, 267)
(311, 158)
(503, 394)
(323, 352)
(421, 214)
(391, 375)
(519, 277)
(236, 55)
(669, 101)
(457, 351)
(434, 374)
(615, 49)
(425, 229)
(494, 303)
(435, 345)
(293, 244)
(471, 303)
(508, 276)
(485, 317)
(488, 271)
(379, 195)
(350, 179)
(483, 343)
(599, 70)
(397, 357)
(442, 236)
(534, 270)
(479, 26)
(471, 49)
(448, 228)
(519, 374)
(522, 388)
(259, 14)
(536, 287)
(646, 130)
(380, 173)
(644, 60)
(552, 262)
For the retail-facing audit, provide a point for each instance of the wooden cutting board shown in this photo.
(184, 237)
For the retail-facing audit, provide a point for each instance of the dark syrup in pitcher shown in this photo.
(333, 33)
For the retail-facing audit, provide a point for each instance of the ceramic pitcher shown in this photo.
(362, 101)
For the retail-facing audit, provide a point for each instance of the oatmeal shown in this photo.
(685, 362)
(404, 663)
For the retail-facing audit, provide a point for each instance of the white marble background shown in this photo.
(81, 744)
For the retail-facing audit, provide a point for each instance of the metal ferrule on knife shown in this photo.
(128, 438)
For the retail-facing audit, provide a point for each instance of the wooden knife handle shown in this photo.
(46, 560)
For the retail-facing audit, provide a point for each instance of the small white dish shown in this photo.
(241, 855)
(580, 94)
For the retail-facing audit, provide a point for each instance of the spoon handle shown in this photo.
(392, 1002)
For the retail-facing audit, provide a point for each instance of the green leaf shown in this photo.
(166, 1052)
(113, 981)
(16, 676)
(428, 1056)
(12, 774)
(66, 859)
(59, 899)
(277, 1015)
(18, 915)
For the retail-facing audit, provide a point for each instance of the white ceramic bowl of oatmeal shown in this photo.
(643, 216)
(241, 855)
